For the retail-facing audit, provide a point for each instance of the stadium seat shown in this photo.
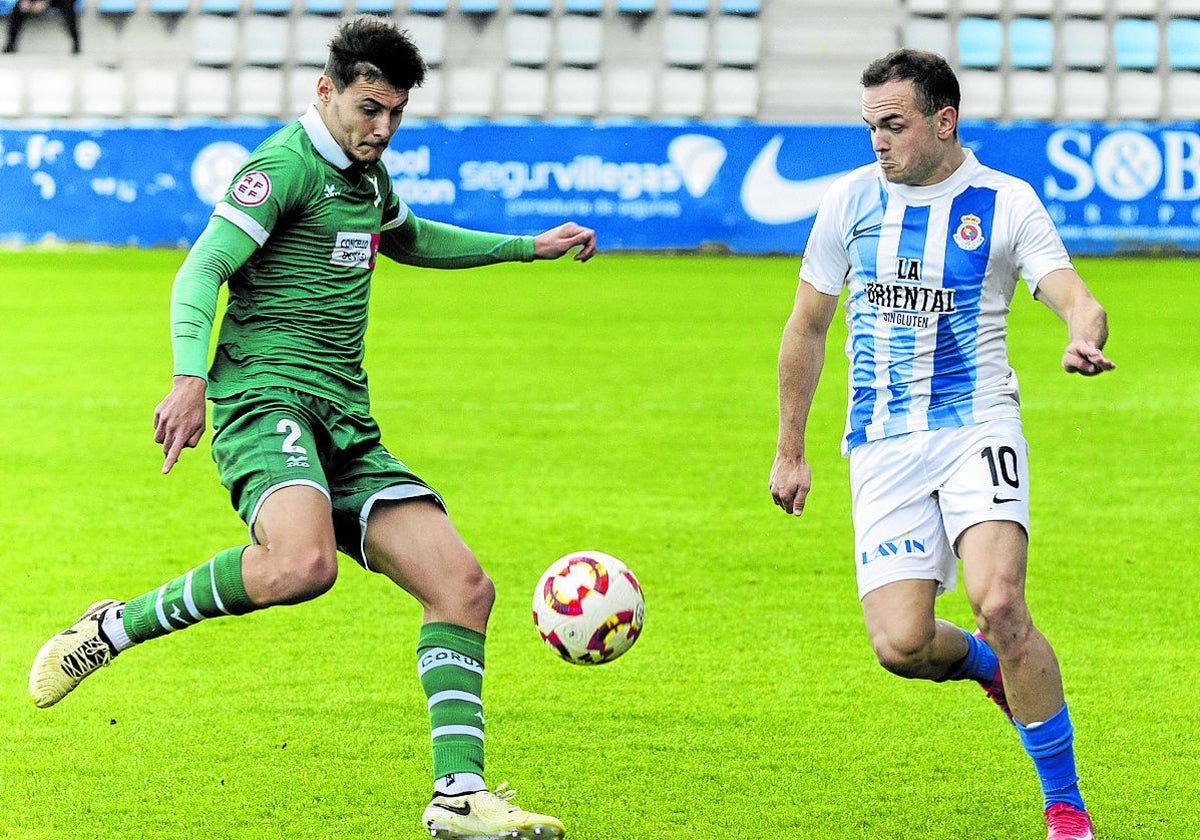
(734, 93)
(687, 7)
(575, 92)
(265, 40)
(270, 7)
(429, 34)
(685, 41)
(1183, 8)
(214, 40)
(310, 39)
(1083, 96)
(1135, 44)
(629, 91)
(1183, 95)
(969, 8)
(1030, 43)
(477, 7)
(523, 92)
(116, 7)
(102, 93)
(426, 101)
(207, 92)
(169, 7)
(1030, 95)
(580, 40)
(219, 7)
(1183, 44)
(925, 33)
(927, 7)
(470, 91)
(739, 7)
(583, 7)
(258, 92)
(1084, 43)
(738, 41)
(979, 42)
(375, 7)
(1137, 8)
(682, 93)
(1084, 8)
(301, 91)
(427, 7)
(982, 95)
(528, 40)
(52, 92)
(1045, 8)
(324, 7)
(635, 7)
(1137, 95)
(531, 7)
(155, 93)
(12, 92)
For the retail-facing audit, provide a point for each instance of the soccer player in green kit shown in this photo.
(296, 237)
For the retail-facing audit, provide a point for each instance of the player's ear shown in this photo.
(947, 122)
(325, 89)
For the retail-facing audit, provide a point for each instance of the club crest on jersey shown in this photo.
(252, 190)
(969, 235)
(355, 250)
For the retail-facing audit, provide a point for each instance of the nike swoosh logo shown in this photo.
(461, 810)
(996, 500)
(770, 198)
(863, 231)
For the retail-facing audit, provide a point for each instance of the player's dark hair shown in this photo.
(372, 47)
(934, 84)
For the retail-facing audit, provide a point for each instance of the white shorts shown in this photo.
(914, 495)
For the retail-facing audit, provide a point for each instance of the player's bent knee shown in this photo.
(309, 573)
(904, 658)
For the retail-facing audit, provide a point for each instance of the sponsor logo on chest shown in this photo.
(355, 250)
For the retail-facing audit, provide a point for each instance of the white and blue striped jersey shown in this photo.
(930, 273)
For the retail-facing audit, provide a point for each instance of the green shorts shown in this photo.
(272, 438)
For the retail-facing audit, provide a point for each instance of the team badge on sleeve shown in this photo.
(969, 235)
(252, 190)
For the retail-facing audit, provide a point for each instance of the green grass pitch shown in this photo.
(626, 405)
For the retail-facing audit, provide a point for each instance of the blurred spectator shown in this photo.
(25, 8)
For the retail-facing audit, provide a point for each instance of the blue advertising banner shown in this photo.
(751, 188)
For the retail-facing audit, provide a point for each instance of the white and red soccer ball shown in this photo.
(588, 607)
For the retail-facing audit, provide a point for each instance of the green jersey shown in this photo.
(300, 284)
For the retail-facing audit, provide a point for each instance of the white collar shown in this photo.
(965, 171)
(322, 140)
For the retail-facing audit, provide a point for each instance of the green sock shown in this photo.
(211, 589)
(450, 665)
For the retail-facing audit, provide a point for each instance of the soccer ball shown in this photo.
(588, 608)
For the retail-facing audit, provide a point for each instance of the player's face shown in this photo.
(363, 117)
(912, 148)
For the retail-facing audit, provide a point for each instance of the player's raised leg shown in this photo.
(295, 562)
(415, 544)
(994, 562)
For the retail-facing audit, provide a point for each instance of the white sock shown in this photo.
(113, 628)
(456, 784)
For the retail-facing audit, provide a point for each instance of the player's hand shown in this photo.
(557, 241)
(179, 418)
(1085, 358)
(790, 483)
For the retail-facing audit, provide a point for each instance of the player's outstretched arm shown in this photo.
(179, 418)
(1087, 323)
(555, 242)
(801, 357)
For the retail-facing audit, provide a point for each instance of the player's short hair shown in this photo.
(934, 84)
(373, 48)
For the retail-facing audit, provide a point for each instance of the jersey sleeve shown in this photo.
(420, 242)
(826, 262)
(217, 254)
(1038, 249)
(271, 182)
(395, 211)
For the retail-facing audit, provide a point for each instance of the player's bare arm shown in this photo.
(1087, 323)
(179, 418)
(801, 357)
(555, 242)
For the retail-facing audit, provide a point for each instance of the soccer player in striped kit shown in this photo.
(929, 244)
(295, 238)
